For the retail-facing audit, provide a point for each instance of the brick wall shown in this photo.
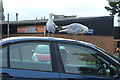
(105, 42)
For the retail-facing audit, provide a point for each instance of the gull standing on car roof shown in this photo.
(74, 28)
(50, 25)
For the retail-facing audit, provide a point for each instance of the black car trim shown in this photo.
(59, 59)
(27, 69)
(8, 56)
(54, 58)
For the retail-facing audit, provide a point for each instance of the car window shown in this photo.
(3, 57)
(85, 61)
(30, 56)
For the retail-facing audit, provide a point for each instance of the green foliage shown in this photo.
(114, 8)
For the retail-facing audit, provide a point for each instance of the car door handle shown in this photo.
(5, 75)
(71, 79)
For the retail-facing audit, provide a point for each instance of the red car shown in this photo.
(41, 53)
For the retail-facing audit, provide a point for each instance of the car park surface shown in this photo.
(38, 58)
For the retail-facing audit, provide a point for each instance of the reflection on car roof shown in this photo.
(25, 38)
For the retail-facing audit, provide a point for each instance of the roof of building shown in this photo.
(43, 21)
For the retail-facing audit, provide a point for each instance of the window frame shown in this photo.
(100, 53)
(66, 43)
(54, 63)
(7, 55)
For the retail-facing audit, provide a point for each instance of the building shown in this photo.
(113, 0)
(100, 26)
(2, 17)
(63, 16)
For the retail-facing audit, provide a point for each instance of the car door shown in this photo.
(19, 62)
(84, 63)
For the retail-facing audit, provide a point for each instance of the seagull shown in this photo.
(50, 25)
(74, 28)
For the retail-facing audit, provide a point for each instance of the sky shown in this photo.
(30, 9)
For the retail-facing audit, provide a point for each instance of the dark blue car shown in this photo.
(42, 58)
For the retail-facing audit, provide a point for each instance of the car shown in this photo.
(41, 53)
(49, 58)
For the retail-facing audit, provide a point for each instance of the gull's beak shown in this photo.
(53, 14)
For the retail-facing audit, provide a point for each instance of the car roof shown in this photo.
(36, 38)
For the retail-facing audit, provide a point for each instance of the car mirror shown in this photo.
(33, 51)
(98, 63)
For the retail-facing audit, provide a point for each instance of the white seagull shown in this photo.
(50, 25)
(74, 28)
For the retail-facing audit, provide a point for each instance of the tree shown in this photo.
(114, 8)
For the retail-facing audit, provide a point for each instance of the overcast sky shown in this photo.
(30, 9)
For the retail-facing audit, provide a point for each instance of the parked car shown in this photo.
(46, 58)
(41, 53)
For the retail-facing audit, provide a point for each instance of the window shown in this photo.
(30, 56)
(85, 61)
(3, 57)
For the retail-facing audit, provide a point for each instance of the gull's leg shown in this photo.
(52, 34)
(81, 36)
(75, 37)
(48, 34)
